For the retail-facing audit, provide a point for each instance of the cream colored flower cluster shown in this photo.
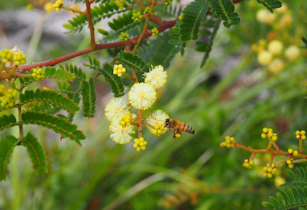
(141, 97)
(281, 17)
(274, 56)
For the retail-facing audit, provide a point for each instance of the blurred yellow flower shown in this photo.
(282, 9)
(48, 7)
(292, 53)
(275, 47)
(276, 66)
(264, 57)
(265, 16)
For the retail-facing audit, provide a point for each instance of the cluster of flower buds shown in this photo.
(248, 163)
(228, 142)
(269, 170)
(268, 133)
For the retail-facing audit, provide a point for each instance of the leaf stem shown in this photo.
(73, 10)
(90, 24)
(144, 28)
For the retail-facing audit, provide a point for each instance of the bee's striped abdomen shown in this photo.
(187, 128)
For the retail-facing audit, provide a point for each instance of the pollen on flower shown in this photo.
(140, 144)
(58, 5)
(156, 77)
(142, 96)
(300, 135)
(38, 74)
(119, 133)
(119, 70)
(115, 109)
(269, 170)
(157, 120)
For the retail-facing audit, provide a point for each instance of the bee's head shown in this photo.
(167, 123)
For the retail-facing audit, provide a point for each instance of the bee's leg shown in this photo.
(177, 134)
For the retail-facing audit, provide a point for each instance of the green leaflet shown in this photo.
(7, 144)
(290, 198)
(89, 97)
(107, 71)
(57, 124)
(76, 98)
(224, 9)
(49, 97)
(192, 16)
(7, 121)
(270, 4)
(99, 12)
(121, 21)
(80, 75)
(50, 72)
(206, 47)
(132, 60)
(298, 176)
(114, 81)
(162, 49)
(36, 153)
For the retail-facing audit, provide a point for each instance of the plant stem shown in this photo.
(301, 146)
(90, 24)
(140, 123)
(28, 67)
(144, 28)
(148, 124)
(20, 117)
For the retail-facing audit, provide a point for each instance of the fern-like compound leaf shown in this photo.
(49, 97)
(80, 75)
(7, 144)
(7, 121)
(36, 153)
(57, 124)
(224, 9)
(50, 72)
(132, 61)
(89, 97)
(270, 4)
(192, 16)
(99, 12)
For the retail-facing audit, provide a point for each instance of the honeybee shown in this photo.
(177, 127)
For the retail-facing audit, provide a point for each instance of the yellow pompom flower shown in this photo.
(48, 7)
(140, 144)
(276, 66)
(156, 77)
(142, 96)
(157, 120)
(269, 170)
(9, 98)
(115, 109)
(264, 16)
(292, 53)
(264, 58)
(119, 70)
(120, 134)
(58, 5)
(275, 47)
(6, 55)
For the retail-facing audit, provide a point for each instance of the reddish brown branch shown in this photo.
(90, 24)
(28, 67)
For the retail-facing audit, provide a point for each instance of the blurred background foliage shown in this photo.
(232, 95)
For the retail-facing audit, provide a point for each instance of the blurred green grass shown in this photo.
(103, 175)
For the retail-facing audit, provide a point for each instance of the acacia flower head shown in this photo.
(156, 77)
(48, 7)
(154, 31)
(124, 36)
(269, 170)
(119, 133)
(142, 96)
(38, 73)
(157, 120)
(228, 142)
(115, 109)
(125, 120)
(248, 163)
